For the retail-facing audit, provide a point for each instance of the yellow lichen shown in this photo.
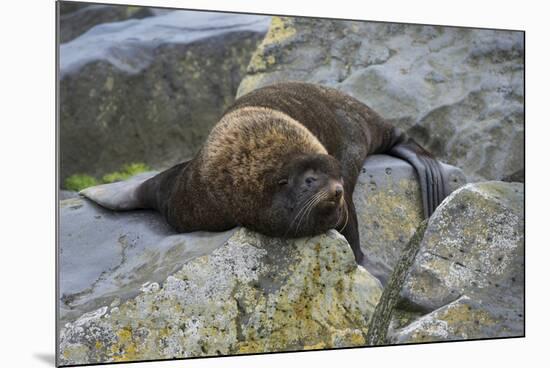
(320, 345)
(281, 29)
(249, 347)
(125, 349)
(357, 339)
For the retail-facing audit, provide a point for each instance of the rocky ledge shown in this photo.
(253, 294)
(133, 289)
(463, 277)
(105, 255)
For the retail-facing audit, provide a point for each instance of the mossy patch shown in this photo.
(77, 182)
(127, 172)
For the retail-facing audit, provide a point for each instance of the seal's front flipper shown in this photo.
(119, 196)
(434, 182)
(351, 229)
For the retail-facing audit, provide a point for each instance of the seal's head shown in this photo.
(307, 197)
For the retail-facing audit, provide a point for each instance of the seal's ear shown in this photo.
(119, 196)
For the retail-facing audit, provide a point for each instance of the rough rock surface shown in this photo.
(458, 91)
(467, 280)
(105, 256)
(135, 290)
(388, 203)
(75, 19)
(137, 246)
(67, 194)
(382, 316)
(181, 69)
(254, 294)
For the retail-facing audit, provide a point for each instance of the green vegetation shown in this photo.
(127, 172)
(77, 182)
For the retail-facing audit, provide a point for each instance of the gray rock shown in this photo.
(106, 256)
(149, 90)
(388, 203)
(67, 194)
(467, 280)
(70, 7)
(458, 91)
(254, 294)
(382, 316)
(125, 249)
(76, 19)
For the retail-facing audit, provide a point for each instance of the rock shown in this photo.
(70, 7)
(149, 90)
(67, 194)
(382, 316)
(467, 280)
(457, 91)
(253, 294)
(79, 18)
(138, 246)
(518, 177)
(388, 203)
(106, 256)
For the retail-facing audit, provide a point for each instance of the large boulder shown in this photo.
(138, 246)
(106, 256)
(458, 91)
(274, 295)
(253, 294)
(149, 90)
(389, 209)
(467, 280)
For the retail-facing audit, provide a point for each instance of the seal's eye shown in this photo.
(282, 182)
(310, 179)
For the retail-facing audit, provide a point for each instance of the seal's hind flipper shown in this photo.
(119, 196)
(434, 182)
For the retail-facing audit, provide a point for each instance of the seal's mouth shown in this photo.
(334, 194)
(321, 211)
(332, 203)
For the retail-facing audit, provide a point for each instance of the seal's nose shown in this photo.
(338, 190)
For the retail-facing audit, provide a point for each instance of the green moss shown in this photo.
(127, 172)
(78, 182)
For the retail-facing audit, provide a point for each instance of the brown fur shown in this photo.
(245, 148)
(310, 136)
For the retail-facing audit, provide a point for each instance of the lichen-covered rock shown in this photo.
(254, 294)
(467, 280)
(382, 316)
(388, 203)
(127, 262)
(149, 90)
(458, 91)
(106, 256)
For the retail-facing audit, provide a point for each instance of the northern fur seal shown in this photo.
(283, 160)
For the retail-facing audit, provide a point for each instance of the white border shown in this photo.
(27, 203)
